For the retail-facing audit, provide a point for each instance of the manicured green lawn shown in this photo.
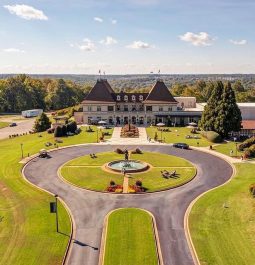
(88, 173)
(27, 229)
(130, 238)
(225, 148)
(178, 135)
(3, 124)
(225, 235)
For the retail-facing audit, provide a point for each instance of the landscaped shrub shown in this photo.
(119, 151)
(246, 144)
(250, 152)
(112, 183)
(58, 132)
(64, 130)
(212, 136)
(71, 127)
(136, 151)
(139, 183)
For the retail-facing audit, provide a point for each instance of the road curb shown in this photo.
(73, 226)
(105, 229)
(188, 211)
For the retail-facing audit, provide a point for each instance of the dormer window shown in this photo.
(126, 98)
(141, 97)
(118, 97)
(133, 97)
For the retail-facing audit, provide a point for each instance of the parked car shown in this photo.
(181, 145)
(13, 124)
(43, 153)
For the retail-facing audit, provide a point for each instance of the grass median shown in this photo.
(130, 238)
(88, 173)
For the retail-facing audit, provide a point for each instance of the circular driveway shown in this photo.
(89, 208)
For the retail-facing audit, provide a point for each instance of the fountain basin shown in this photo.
(130, 166)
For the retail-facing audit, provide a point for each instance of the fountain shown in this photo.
(130, 166)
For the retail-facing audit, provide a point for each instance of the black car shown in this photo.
(181, 145)
(13, 124)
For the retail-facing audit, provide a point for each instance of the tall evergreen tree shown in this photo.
(209, 119)
(232, 113)
(221, 114)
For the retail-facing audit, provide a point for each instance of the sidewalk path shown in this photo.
(125, 185)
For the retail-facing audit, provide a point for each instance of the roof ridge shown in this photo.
(160, 92)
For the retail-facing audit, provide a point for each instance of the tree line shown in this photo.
(202, 90)
(22, 92)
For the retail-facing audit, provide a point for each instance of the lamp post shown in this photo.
(21, 147)
(56, 198)
(97, 135)
(236, 149)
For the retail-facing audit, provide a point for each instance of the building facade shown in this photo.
(102, 103)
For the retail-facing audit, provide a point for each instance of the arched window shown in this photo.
(141, 97)
(118, 97)
(133, 97)
(126, 98)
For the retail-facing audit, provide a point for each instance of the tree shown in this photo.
(42, 123)
(238, 86)
(232, 114)
(209, 120)
(221, 114)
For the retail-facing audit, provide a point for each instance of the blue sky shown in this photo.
(127, 36)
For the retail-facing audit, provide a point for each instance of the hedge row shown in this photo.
(246, 144)
(212, 136)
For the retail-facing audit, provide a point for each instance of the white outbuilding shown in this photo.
(31, 113)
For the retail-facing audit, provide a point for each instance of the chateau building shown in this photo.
(102, 103)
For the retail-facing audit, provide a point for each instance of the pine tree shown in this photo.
(221, 114)
(210, 120)
(42, 123)
(232, 114)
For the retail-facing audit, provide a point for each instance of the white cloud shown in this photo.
(87, 45)
(113, 21)
(200, 39)
(238, 42)
(98, 19)
(139, 45)
(26, 12)
(13, 50)
(108, 41)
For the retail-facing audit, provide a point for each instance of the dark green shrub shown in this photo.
(64, 130)
(58, 132)
(212, 136)
(139, 183)
(119, 151)
(71, 127)
(246, 144)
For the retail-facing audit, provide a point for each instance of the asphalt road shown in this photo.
(89, 208)
(23, 126)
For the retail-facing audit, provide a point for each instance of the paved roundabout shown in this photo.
(89, 208)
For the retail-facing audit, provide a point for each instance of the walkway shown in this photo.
(116, 139)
